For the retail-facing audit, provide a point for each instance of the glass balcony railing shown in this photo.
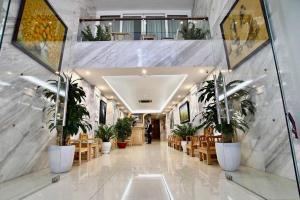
(150, 28)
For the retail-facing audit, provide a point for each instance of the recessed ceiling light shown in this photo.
(179, 96)
(87, 73)
(112, 97)
(202, 71)
(144, 71)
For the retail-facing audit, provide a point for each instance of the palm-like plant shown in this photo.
(190, 32)
(106, 133)
(243, 106)
(185, 130)
(102, 34)
(77, 115)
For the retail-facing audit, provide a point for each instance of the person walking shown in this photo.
(149, 132)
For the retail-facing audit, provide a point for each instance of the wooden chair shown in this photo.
(81, 148)
(93, 148)
(170, 140)
(207, 149)
(193, 143)
(177, 143)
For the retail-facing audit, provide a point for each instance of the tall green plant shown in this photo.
(185, 130)
(106, 133)
(243, 106)
(102, 34)
(77, 115)
(124, 128)
(190, 32)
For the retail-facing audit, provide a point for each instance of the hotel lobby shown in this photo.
(148, 100)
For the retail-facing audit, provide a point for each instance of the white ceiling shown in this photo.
(157, 88)
(128, 86)
(108, 5)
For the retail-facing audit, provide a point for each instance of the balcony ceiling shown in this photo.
(164, 86)
(108, 5)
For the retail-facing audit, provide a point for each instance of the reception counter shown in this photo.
(138, 135)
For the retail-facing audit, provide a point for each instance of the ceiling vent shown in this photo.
(145, 101)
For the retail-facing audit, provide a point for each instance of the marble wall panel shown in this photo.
(24, 135)
(142, 54)
(266, 145)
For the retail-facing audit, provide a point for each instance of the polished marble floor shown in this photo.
(130, 174)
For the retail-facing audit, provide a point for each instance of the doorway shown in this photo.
(156, 129)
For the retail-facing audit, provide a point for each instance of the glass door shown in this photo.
(4, 7)
(256, 83)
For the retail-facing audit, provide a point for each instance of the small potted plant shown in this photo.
(183, 131)
(106, 133)
(61, 155)
(123, 130)
(229, 151)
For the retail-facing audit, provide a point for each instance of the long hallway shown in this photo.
(109, 177)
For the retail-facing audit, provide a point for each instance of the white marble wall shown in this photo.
(266, 145)
(24, 135)
(122, 54)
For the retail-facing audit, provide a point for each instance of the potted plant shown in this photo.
(61, 155)
(229, 151)
(102, 34)
(105, 133)
(183, 131)
(190, 32)
(123, 129)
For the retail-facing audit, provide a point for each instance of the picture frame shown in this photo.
(244, 31)
(138, 118)
(184, 113)
(172, 120)
(102, 112)
(40, 33)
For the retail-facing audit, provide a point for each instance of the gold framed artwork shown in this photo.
(244, 31)
(40, 33)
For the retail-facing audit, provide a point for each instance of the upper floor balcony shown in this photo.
(114, 42)
(143, 28)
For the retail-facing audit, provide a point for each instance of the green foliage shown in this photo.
(185, 130)
(102, 34)
(106, 133)
(243, 107)
(123, 128)
(77, 115)
(193, 33)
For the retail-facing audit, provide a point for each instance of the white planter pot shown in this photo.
(183, 145)
(229, 156)
(106, 147)
(61, 158)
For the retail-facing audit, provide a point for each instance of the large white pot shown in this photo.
(183, 145)
(229, 156)
(61, 158)
(106, 146)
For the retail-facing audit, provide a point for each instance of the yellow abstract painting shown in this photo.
(41, 33)
(244, 31)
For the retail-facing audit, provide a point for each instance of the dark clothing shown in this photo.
(149, 138)
(149, 133)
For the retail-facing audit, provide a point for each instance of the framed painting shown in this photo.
(172, 120)
(102, 112)
(184, 113)
(244, 31)
(138, 118)
(40, 33)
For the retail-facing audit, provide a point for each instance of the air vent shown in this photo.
(145, 101)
